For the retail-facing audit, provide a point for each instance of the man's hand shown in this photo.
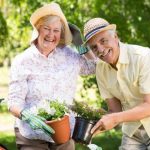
(36, 122)
(107, 122)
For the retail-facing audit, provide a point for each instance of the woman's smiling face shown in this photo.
(49, 35)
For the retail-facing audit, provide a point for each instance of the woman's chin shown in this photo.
(49, 47)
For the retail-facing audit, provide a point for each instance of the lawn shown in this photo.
(108, 141)
(7, 138)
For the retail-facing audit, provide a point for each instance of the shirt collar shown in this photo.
(37, 52)
(123, 56)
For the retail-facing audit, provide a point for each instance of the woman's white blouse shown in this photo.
(35, 78)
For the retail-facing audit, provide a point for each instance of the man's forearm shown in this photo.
(134, 114)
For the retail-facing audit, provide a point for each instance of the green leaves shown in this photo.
(56, 111)
(42, 112)
(85, 111)
(3, 29)
(131, 17)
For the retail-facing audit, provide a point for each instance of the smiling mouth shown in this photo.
(104, 53)
(47, 40)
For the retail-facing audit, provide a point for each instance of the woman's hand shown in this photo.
(36, 122)
(77, 40)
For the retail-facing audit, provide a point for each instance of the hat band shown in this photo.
(88, 35)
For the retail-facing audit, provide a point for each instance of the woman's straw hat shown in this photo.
(95, 26)
(50, 9)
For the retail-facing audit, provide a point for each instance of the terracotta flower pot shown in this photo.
(82, 130)
(62, 129)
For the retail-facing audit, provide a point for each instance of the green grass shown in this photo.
(7, 138)
(108, 141)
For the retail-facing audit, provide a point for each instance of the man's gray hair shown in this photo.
(112, 32)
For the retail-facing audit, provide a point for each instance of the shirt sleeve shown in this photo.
(144, 75)
(87, 66)
(102, 88)
(18, 85)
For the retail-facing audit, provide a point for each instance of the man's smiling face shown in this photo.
(105, 46)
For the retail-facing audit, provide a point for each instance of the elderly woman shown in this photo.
(48, 69)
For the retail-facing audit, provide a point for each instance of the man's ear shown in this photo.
(116, 35)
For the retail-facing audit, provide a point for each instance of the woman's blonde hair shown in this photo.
(50, 19)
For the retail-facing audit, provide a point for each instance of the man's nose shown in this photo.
(100, 48)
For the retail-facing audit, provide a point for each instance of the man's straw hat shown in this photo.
(50, 9)
(95, 26)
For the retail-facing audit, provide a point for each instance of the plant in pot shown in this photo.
(86, 118)
(56, 117)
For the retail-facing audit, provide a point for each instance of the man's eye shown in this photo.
(104, 41)
(94, 48)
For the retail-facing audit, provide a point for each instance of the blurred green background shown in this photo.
(132, 18)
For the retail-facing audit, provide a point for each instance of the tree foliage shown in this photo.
(3, 29)
(132, 18)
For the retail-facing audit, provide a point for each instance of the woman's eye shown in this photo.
(46, 28)
(56, 30)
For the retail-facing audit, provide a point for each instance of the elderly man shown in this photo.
(123, 77)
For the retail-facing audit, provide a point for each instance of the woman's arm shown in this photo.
(89, 55)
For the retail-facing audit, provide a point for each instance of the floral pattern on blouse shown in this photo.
(34, 78)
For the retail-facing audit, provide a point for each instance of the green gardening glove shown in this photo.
(36, 122)
(77, 39)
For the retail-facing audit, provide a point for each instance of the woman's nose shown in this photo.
(50, 33)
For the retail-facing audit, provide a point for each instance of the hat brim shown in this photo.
(109, 27)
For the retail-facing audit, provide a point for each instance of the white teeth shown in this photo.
(104, 53)
(49, 40)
